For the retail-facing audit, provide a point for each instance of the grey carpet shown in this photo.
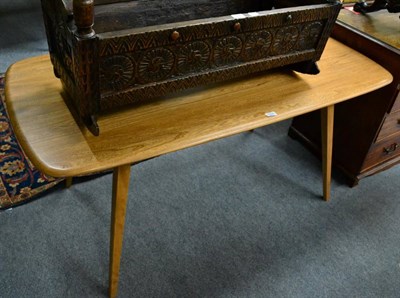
(21, 31)
(239, 217)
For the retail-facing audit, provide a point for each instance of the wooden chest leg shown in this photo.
(327, 115)
(119, 199)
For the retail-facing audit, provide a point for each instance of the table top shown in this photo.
(379, 25)
(59, 147)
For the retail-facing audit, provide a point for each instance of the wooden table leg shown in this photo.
(327, 115)
(119, 199)
(68, 182)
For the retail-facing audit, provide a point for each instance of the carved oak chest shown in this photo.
(111, 53)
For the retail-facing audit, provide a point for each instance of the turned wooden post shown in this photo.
(86, 70)
(84, 17)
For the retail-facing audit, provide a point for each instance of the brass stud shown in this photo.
(237, 26)
(175, 35)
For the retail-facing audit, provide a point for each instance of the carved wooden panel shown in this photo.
(131, 68)
(113, 68)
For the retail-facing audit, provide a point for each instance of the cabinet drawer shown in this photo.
(390, 126)
(383, 151)
(396, 105)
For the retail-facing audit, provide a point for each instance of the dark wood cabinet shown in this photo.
(367, 128)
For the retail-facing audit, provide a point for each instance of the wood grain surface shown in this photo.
(59, 147)
(380, 25)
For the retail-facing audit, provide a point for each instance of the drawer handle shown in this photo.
(237, 26)
(391, 148)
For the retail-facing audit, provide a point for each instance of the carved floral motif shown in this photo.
(116, 72)
(227, 50)
(285, 39)
(257, 45)
(156, 65)
(309, 35)
(193, 56)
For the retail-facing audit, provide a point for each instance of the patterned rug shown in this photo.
(20, 181)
